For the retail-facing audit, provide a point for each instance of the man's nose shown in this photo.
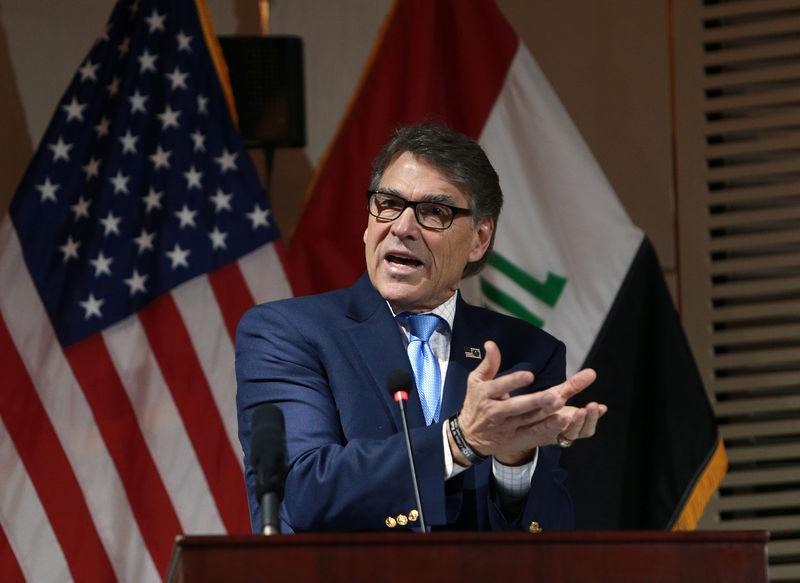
(406, 223)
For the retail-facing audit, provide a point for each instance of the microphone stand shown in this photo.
(400, 397)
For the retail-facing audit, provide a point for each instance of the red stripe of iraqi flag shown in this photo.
(426, 65)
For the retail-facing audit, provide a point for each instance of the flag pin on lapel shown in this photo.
(472, 352)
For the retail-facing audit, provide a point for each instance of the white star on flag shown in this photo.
(136, 282)
(186, 217)
(169, 118)
(152, 200)
(193, 178)
(258, 216)
(218, 238)
(60, 150)
(92, 167)
(198, 139)
(202, 104)
(226, 161)
(102, 264)
(92, 306)
(74, 110)
(184, 42)
(128, 143)
(110, 224)
(70, 249)
(155, 21)
(88, 71)
(147, 62)
(113, 87)
(144, 241)
(102, 127)
(178, 79)
(120, 182)
(222, 201)
(160, 158)
(137, 102)
(48, 190)
(123, 46)
(81, 208)
(178, 256)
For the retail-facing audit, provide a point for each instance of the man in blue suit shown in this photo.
(490, 413)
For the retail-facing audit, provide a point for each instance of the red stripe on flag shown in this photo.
(178, 362)
(439, 72)
(49, 469)
(124, 441)
(232, 293)
(9, 567)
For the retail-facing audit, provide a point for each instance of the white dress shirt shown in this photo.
(513, 482)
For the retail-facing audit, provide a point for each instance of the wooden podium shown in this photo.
(582, 557)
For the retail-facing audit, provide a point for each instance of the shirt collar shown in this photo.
(446, 311)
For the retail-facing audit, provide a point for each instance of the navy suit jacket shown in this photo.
(324, 360)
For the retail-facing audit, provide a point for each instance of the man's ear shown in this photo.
(481, 237)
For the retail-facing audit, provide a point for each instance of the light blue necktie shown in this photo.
(424, 363)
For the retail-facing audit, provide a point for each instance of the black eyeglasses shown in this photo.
(431, 215)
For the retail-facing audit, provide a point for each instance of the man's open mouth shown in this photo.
(400, 260)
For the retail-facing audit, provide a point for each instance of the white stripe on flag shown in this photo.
(23, 518)
(263, 272)
(203, 319)
(162, 427)
(560, 215)
(70, 415)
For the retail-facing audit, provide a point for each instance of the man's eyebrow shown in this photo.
(441, 197)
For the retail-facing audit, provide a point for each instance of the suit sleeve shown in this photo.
(334, 483)
(548, 502)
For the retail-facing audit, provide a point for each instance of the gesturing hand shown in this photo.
(511, 428)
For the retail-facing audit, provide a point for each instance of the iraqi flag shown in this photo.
(138, 237)
(566, 257)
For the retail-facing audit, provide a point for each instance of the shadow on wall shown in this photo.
(15, 142)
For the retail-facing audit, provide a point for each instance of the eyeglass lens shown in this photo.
(429, 214)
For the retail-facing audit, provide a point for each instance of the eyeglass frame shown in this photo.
(413, 204)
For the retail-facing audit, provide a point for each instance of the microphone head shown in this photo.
(399, 381)
(268, 450)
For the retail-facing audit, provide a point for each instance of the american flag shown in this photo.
(137, 238)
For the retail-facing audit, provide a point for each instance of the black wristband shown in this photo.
(472, 456)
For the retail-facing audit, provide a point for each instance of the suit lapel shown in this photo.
(465, 335)
(380, 346)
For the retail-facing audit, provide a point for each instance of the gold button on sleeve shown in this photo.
(413, 515)
(391, 522)
(534, 527)
(402, 519)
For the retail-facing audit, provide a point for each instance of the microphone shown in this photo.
(398, 382)
(268, 451)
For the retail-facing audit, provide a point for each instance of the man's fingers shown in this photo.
(486, 372)
(583, 422)
(533, 407)
(593, 413)
(576, 383)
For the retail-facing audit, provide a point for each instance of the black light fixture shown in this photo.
(266, 74)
